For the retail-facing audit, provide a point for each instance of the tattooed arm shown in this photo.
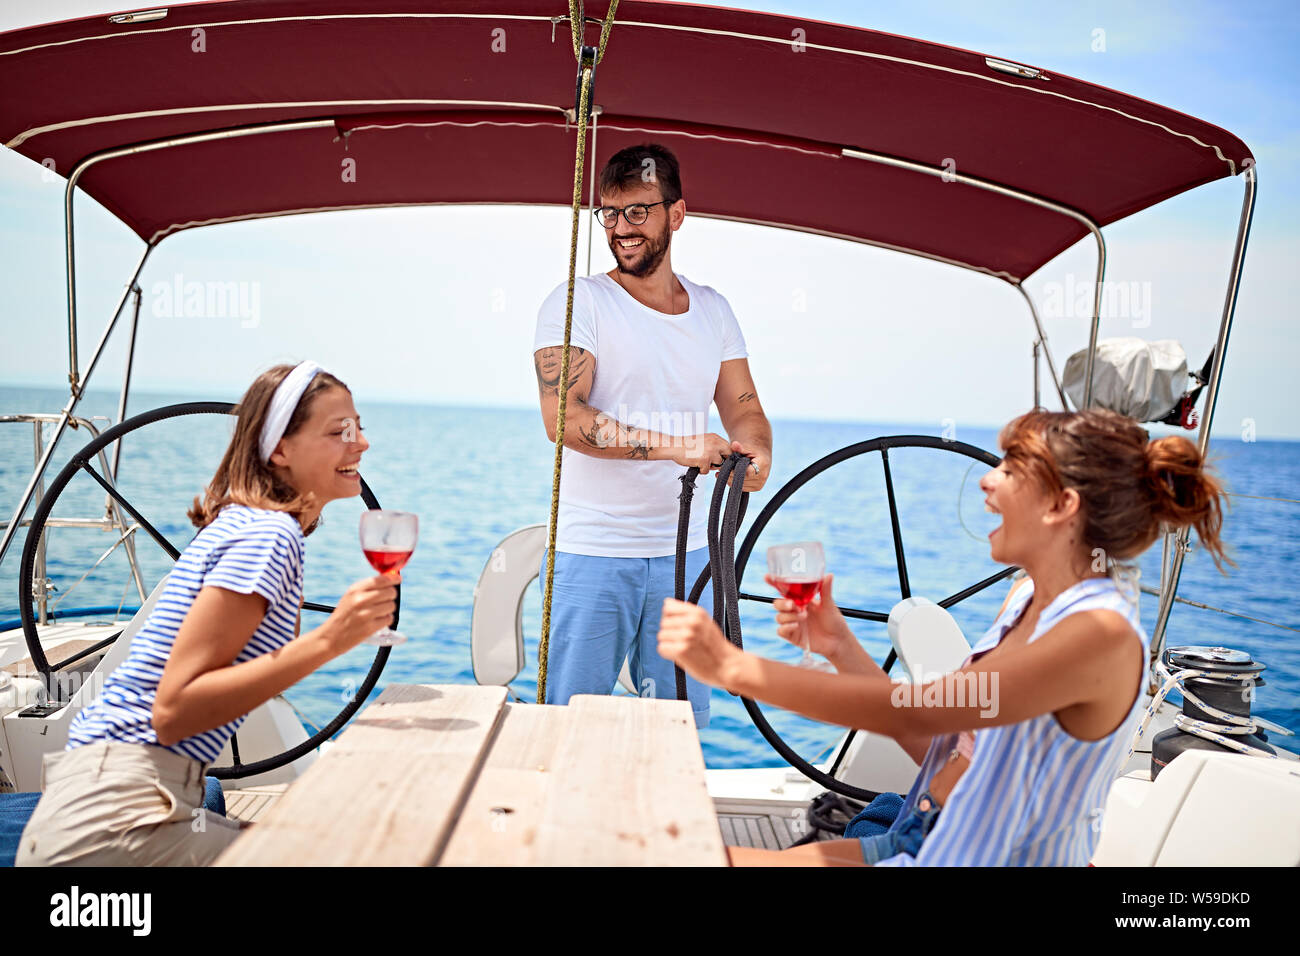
(593, 432)
(743, 418)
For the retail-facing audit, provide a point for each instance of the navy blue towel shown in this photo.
(877, 817)
(214, 799)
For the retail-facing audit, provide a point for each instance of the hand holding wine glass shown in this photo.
(796, 570)
(388, 541)
(819, 622)
(368, 604)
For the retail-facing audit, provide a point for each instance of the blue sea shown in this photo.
(475, 474)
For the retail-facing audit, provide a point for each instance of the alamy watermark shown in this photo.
(958, 689)
(181, 299)
(681, 429)
(76, 908)
(1073, 299)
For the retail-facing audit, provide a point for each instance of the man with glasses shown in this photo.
(649, 351)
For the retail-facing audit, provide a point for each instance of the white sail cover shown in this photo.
(1140, 379)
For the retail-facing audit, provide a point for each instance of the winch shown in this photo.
(1218, 685)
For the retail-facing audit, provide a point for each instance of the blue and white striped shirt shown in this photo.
(247, 550)
(1033, 795)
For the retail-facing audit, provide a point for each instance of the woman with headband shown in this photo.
(222, 640)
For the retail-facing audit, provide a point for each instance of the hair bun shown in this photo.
(1183, 492)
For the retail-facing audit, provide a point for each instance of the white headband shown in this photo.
(283, 403)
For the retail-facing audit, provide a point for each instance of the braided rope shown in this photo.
(1231, 723)
(577, 21)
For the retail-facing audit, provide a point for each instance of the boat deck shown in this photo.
(769, 826)
(249, 804)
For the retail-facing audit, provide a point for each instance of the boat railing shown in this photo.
(112, 519)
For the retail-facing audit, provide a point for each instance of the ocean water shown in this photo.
(474, 475)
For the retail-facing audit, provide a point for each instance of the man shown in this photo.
(649, 349)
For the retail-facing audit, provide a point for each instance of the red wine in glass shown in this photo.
(800, 591)
(388, 541)
(796, 570)
(386, 561)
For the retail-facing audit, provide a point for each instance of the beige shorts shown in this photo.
(120, 804)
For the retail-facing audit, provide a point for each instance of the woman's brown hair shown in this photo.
(1131, 488)
(242, 477)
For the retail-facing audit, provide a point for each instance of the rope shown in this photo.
(961, 491)
(587, 66)
(1231, 723)
(726, 608)
(721, 549)
(1233, 494)
(301, 716)
(679, 566)
(577, 21)
(1207, 607)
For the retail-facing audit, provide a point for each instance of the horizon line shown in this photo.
(437, 403)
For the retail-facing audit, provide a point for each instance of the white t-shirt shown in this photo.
(653, 371)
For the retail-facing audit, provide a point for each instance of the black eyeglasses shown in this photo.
(635, 214)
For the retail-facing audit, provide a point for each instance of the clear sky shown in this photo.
(439, 304)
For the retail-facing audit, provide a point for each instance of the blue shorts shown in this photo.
(604, 610)
(906, 835)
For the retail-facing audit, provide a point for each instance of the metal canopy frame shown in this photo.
(1169, 583)
(1178, 541)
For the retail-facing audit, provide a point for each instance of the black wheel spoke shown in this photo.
(903, 583)
(846, 611)
(117, 496)
(976, 588)
(88, 652)
(844, 750)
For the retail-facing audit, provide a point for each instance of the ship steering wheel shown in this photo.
(83, 461)
(883, 447)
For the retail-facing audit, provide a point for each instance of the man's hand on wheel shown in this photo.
(759, 466)
(704, 451)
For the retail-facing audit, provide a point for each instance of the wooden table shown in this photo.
(452, 775)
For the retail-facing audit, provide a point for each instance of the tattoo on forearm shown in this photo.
(605, 431)
(746, 397)
(590, 436)
(602, 432)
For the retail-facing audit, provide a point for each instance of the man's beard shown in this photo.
(651, 253)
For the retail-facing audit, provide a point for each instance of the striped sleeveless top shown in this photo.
(1032, 795)
(247, 550)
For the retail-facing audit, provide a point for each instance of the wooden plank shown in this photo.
(253, 807)
(499, 823)
(388, 791)
(743, 835)
(766, 835)
(783, 827)
(628, 788)
(769, 831)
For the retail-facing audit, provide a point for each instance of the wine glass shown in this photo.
(797, 570)
(388, 540)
